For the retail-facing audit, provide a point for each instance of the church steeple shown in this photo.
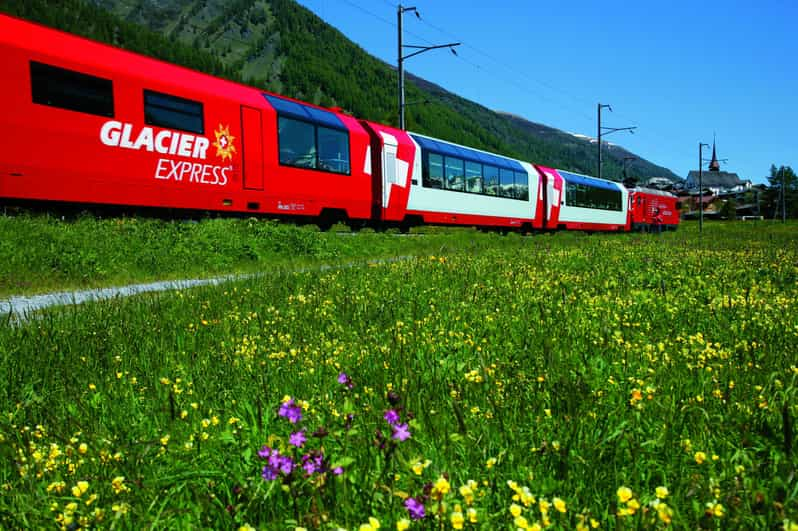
(714, 165)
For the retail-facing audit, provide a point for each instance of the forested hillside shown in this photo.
(281, 46)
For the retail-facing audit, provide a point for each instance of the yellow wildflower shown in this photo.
(624, 494)
(662, 492)
(457, 518)
(80, 489)
(559, 505)
(700, 457)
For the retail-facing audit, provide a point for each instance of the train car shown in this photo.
(84, 122)
(580, 202)
(652, 210)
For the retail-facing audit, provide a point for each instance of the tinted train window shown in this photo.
(491, 175)
(172, 112)
(71, 90)
(309, 137)
(506, 186)
(433, 177)
(455, 176)
(297, 143)
(333, 150)
(522, 186)
(473, 177)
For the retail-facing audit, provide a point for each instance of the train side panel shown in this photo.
(89, 123)
(457, 185)
(651, 208)
(580, 202)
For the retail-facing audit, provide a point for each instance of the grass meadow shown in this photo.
(560, 381)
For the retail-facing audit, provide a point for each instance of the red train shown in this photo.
(83, 122)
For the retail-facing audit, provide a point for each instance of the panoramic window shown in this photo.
(309, 137)
(585, 196)
(506, 183)
(74, 91)
(333, 150)
(297, 143)
(473, 172)
(455, 175)
(491, 176)
(433, 176)
(173, 112)
(522, 185)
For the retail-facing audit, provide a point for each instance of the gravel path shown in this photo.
(21, 308)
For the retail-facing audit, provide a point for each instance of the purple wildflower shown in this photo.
(401, 432)
(415, 508)
(312, 463)
(276, 464)
(297, 438)
(344, 379)
(392, 417)
(264, 452)
(269, 474)
(291, 411)
(338, 470)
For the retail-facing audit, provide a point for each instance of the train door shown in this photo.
(389, 174)
(252, 142)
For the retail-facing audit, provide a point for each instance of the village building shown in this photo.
(716, 181)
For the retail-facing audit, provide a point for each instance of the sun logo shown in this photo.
(224, 143)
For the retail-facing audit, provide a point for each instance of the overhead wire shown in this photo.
(559, 90)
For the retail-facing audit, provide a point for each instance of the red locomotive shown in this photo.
(84, 122)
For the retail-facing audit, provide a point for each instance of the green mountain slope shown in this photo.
(281, 46)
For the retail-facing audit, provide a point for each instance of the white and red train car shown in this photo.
(84, 122)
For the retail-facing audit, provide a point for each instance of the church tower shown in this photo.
(714, 165)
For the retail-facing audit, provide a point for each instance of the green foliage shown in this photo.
(782, 196)
(45, 253)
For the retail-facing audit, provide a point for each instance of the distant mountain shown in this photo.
(283, 47)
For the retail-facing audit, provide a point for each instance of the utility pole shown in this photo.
(605, 131)
(401, 58)
(783, 198)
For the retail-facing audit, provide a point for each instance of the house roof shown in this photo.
(715, 179)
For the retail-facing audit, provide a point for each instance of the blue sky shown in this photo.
(678, 70)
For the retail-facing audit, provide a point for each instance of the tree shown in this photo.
(785, 175)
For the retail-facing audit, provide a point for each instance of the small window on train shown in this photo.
(173, 112)
(67, 89)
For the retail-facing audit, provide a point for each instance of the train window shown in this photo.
(333, 150)
(173, 112)
(71, 90)
(473, 172)
(433, 176)
(585, 196)
(522, 186)
(506, 183)
(455, 175)
(297, 143)
(491, 176)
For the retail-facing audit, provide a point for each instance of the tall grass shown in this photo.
(566, 381)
